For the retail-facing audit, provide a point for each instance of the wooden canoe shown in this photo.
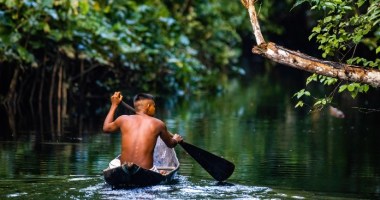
(164, 159)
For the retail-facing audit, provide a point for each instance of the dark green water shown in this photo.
(279, 152)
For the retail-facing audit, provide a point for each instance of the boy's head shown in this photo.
(144, 102)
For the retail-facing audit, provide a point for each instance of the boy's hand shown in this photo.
(116, 98)
(178, 138)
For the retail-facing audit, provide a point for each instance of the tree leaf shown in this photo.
(317, 29)
(47, 3)
(299, 104)
(360, 3)
(25, 55)
(317, 103)
(365, 88)
(46, 28)
(84, 6)
(351, 87)
(354, 94)
(342, 88)
(300, 93)
(68, 50)
(327, 19)
(299, 2)
(311, 78)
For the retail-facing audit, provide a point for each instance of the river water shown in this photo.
(280, 152)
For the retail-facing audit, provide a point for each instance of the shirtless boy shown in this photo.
(139, 132)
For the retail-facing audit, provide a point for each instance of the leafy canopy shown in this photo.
(153, 44)
(344, 27)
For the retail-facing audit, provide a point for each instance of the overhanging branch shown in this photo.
(305, 62)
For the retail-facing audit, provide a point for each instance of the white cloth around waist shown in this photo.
(116, 163)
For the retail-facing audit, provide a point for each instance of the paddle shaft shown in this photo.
(128, 106)
(219, 168)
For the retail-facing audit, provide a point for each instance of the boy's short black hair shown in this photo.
(142, 96)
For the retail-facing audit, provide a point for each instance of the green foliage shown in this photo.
(320, 103)
(354, 88)
(270, 14)
(322, 79)
(343, 27)
(299, 95)
(168, 45)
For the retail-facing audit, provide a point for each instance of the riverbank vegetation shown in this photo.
(58, 54)
(61, 59)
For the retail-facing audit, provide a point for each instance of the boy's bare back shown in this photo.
(139, 137)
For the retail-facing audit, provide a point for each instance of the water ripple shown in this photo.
(183, 188)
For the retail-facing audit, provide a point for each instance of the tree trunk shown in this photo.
(40, 110)
(10, 99)
(33, 90)
(51, 95)
(30, 101)
(305, 62)
(81, 100)
(65, 86)
(59, 101)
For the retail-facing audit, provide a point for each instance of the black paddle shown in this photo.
(219, 168)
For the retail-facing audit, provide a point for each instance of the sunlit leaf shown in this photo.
(360, 2)
(47, 3)
(15, 37)
(52, 13)
(68, 50)
(365, 87)
(327, 19)
(317, 29)
(342, 88)
(351, 87)
(319, 102)
(299, 104)
(46, 28)
(84, 6)
(354, 94)
(298, 2)
(25, 55)
(184, 40)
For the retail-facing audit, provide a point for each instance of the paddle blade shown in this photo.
(219, 168)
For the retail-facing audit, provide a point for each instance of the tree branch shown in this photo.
(249, 4)
(308, 63)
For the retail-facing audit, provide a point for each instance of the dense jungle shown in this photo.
(291, 133)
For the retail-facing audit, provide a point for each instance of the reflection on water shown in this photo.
(279, 152)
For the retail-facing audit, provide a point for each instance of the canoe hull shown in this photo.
(124, 176)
